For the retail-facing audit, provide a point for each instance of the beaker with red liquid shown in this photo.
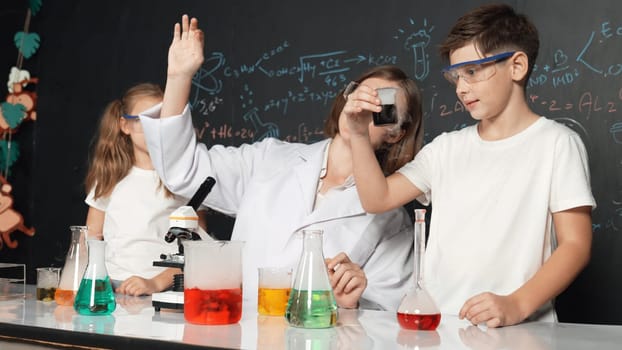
(418, 311)
(213, 282)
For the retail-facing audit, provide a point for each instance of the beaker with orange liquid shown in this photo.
(75, 265)
(275, 284)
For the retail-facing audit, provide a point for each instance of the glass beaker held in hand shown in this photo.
(418, 311)
(311, 301)
(213, 282)
(95, 295)
(75, 265)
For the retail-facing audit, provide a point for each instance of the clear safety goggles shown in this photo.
(474, 71)
(133, 122)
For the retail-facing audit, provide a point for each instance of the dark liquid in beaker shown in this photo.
(388, 115)
(101, 303)
(45, 294)
(321, 312)
(419, 322)
(221, 306)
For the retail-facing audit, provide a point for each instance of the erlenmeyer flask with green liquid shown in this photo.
(311, 301)
(95, 295)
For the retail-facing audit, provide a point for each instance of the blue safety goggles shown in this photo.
(474, 71)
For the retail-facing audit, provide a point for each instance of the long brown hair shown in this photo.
(390, 156)
(112, 155)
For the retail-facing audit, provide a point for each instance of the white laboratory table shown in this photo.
(135, 324)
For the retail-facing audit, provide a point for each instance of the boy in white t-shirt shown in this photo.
(502, 190)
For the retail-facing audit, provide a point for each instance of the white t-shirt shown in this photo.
(135, 224)
(491, 225)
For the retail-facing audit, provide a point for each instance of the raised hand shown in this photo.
(185, 55)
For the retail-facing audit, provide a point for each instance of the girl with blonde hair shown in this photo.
(128, 204)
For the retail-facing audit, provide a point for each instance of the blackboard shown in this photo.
(272, 68)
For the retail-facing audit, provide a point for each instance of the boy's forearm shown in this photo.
(553, 278)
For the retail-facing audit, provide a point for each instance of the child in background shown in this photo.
(128, 203)
(504, 191)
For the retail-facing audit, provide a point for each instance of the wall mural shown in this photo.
(19, 106)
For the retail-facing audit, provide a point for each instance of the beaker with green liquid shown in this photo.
(311, 301)
(95, 295)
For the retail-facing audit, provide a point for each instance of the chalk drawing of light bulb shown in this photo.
(262, 129)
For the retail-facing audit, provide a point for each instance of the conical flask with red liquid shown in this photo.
(418, 311)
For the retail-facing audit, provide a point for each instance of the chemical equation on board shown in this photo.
(315, 77)
(305, 134)
(209, 82)
(416, 43)
(590, 59)
(257, 131)
(223, 132)
(312, 66)
(560, 73)
(587, 104)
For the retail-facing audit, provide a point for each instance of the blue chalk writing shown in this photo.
(607, 33)
(261, 129)
(416, 43)
(616, 132)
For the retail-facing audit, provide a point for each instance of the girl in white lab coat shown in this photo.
(275, 189)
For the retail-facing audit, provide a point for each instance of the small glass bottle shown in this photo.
(418, 310)
(311, 301)
(75, 265)
(95, 295)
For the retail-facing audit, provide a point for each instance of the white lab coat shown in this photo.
(270, 187)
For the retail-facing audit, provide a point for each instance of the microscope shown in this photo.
(184, 226)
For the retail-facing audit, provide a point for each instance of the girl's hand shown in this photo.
(137, 286)
(360, 103)
(185, 55)
(347, 279)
